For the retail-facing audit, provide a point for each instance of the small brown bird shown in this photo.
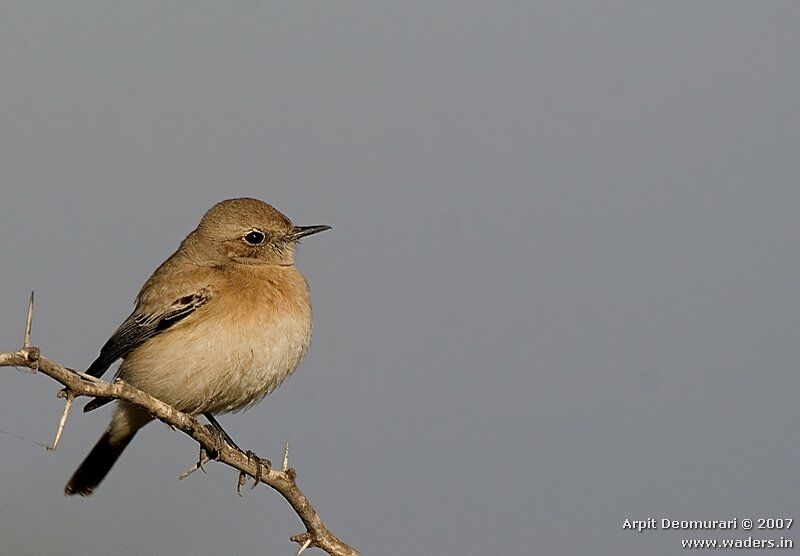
(218, 326)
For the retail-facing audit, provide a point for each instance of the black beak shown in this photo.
(303, 231)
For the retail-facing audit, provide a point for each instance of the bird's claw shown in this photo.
(261, 464)
(240, 483)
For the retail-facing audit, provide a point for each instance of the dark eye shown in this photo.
(254, 238)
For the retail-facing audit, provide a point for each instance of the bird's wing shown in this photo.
(140, 327)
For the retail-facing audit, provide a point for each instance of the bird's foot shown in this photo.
(261, 465)
(219, 438)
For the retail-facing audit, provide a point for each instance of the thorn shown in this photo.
(203, 459)
(285, 465)
(26, 342)
(304, 546)
(62, 423)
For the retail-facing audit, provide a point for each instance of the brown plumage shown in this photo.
(218, 326)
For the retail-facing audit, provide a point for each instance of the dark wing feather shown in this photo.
(140, 327)
(136, 329)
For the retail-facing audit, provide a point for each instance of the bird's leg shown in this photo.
(220, 437)
(225, 436)
(261, 464)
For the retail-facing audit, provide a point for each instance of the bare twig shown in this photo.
(283, 481)
(303, 547)
(201, 461)
(26, 342)
(70, 397)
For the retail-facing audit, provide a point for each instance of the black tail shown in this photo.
(96, 465)
(96, 403)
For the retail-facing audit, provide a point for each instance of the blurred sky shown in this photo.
(561, 288)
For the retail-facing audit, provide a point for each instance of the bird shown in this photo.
(218, 326)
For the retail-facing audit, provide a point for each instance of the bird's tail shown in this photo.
(126, 421)
(96, 465)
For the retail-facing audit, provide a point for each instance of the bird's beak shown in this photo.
(303, 231)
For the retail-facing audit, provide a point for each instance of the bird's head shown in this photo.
(247, 231)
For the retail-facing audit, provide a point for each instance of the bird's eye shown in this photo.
(254, 237)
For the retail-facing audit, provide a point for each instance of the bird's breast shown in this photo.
(244, 343)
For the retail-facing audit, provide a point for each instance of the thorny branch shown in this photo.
(282, 480)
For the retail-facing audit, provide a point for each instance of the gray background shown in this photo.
(561, 289)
